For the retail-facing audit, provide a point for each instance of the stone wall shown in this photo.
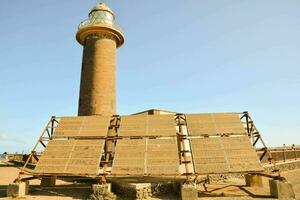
(282, 154)
(286, 166)
(98, 77)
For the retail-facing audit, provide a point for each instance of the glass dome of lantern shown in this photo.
(101, 13)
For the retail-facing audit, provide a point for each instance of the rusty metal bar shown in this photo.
(275, 177)
(52, 125)
(43, 143)
(49, 135)
(295, 152)
(112, 132)
(247, 124)
(256, 140)
(263, 155)
(23, 169)
(284, 154)
(255, 132)
(35, 157)
(180, 120)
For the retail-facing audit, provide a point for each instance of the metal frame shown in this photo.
(110, 142)
(182, 150)
(220, 134)
(45, 136)
(146, 137)
(246, 133)
(185, 155)
(255, 137)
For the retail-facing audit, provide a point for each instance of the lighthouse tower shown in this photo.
(100, 37)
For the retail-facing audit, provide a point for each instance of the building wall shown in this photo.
(281, 155)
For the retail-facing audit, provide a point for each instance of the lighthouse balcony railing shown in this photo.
(88, 22)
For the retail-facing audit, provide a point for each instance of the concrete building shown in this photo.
(100, 37)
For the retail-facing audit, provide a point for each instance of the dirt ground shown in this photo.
(232, 190)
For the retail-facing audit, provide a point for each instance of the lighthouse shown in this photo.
(100, 37)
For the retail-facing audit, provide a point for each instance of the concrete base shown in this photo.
(253, 180)
(17, 190)
(136, 191)
(48, 181)
(99, 188)
(281, 190)
(102, 192)
(189, 192)
(141, 191)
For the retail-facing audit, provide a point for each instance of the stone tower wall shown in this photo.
(98, 76)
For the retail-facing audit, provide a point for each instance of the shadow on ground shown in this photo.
(232, 191)
(72, 191)
(3, 190)
(77, 191)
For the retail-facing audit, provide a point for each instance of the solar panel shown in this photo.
(80, 157)
(88, 126)
(150, 148)
(146, 157)
(147, 125)
(162, 157)
(129, 158)
(214, 124)
(224, 155)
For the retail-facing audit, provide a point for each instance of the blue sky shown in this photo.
(188, 56)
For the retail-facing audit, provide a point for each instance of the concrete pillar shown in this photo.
(253, 180)
(18, 190)
(98, 76)
(281, 190)
(135, 191)
(189, 192)
(48, 181)
(104, 187)
(103, 191)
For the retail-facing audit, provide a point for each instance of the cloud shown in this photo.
(3, 136)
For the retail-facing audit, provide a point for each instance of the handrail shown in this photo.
(88, 22)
